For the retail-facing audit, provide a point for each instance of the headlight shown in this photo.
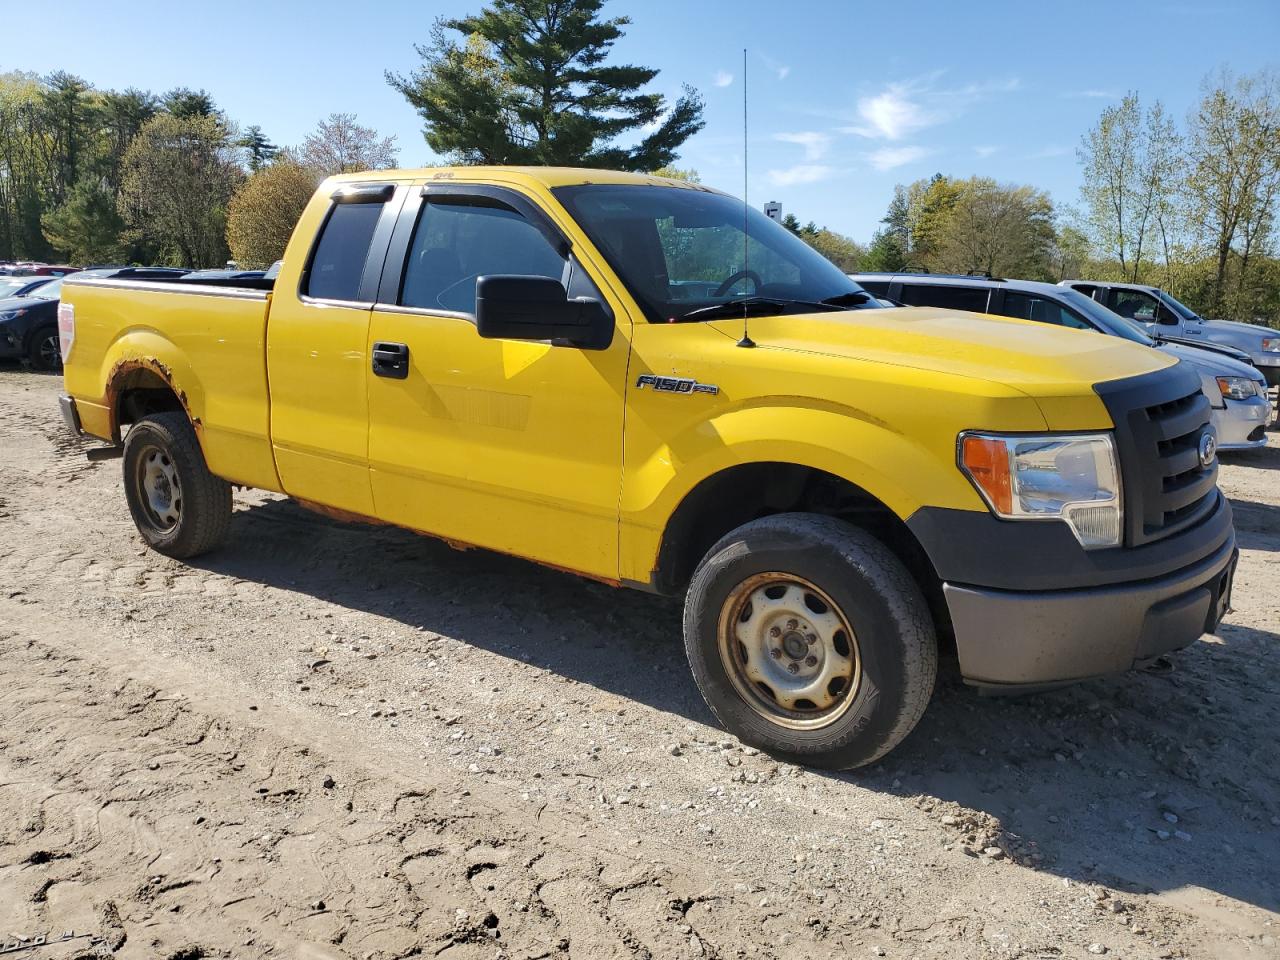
(11, 314)
(1271, 344)
(1237, 388)
(1075, 479)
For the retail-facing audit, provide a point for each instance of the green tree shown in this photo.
(529, 84)
(261, 150)
(179, 176)
(688, 175)
(998, 229)
(87, 227)
(885, 255)
(265, 210)
(1233, 180)
(185, 103)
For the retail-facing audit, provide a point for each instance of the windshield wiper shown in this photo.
(753, 305)
(854, 298)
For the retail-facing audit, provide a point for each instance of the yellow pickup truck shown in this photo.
(640, 381)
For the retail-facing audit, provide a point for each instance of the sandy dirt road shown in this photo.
(332, 741)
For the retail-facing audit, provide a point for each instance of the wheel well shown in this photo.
(740, 494)
(139, 393)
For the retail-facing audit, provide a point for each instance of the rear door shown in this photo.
(317, 346)
(511, 445)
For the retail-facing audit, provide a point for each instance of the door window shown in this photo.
(952, 298)
(459, 239)
(1027, 307)
(1133, 304)
(338, 261)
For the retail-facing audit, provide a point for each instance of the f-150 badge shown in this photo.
(674, 384)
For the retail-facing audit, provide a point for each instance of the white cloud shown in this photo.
(780, 70)
(815, 144)
(903, 108)
(802, 173)
(985, 151)
(1093, 94)
(723, 78)
(888, 158)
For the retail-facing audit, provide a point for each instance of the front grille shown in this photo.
(1160, 418)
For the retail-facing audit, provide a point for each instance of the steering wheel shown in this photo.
(740, 275)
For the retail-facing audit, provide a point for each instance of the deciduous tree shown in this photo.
(265, 210)
(341, 145)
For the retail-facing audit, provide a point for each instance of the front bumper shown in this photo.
(1011, 639)
(1269, 366)
(1029, 608)
(1241, 424)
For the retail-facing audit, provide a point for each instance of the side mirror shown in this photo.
(538, 308)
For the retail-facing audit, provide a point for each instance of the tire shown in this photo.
(811, 577)
(180, 508)
(43, 350)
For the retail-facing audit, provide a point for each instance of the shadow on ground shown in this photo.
(1085, 774)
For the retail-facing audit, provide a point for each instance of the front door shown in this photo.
(510, 445)
(1138, 305)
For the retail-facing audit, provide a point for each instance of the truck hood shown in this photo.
(1033, 358)
(1241, 329)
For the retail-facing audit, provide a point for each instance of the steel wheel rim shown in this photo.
(51, 352)
(789, 651)
(159, 489)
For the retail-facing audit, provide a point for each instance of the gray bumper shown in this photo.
(1241, 424)
(1009, 638)
(70, 415)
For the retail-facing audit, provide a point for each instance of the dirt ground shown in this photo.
(332, 741)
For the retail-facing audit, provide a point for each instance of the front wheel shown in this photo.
(810, 640)
(180, 508)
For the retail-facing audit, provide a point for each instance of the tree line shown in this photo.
(129, 176)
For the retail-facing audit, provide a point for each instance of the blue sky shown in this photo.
(846, 99)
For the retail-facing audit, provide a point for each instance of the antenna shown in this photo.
(746, 340)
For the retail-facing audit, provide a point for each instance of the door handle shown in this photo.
(391, 360)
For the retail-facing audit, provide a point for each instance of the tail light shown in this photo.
(66, 329)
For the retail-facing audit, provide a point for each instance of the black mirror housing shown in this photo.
(538, 308)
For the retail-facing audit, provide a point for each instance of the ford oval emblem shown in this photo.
(1208, 447)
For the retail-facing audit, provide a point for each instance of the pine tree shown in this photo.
(261, 150)
(529, 84)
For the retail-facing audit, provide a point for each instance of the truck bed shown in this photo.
(208, 337)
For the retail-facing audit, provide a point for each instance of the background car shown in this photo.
(29, 327)
(1164, 315)
(1237, 391)
(21, 286)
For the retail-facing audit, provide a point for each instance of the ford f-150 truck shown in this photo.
(642, 382)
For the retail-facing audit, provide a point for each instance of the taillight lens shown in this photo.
(66, 329)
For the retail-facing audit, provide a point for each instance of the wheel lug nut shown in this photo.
(810, 661)
(811, 639)
(792, 624)
(775, 632)
(775, 653)
(791, 667)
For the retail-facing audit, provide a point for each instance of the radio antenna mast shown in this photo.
(746, 340)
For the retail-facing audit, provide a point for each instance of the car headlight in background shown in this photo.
(1271, 344)
(11, 314)
(1073, 478)
(1237, 388)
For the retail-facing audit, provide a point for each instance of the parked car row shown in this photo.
(1235, 386)
(30, 269)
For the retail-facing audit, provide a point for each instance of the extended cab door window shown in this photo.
(512, 445)
(317, 341)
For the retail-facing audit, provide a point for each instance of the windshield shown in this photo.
(1111, 323)
(48, 291)
(11, 285)
(1181, 309)
(680, 250)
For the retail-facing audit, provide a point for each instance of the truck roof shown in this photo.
(546, 176)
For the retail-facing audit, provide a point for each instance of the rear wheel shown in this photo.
(809, 639)
(180, 508)
(43, 349)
